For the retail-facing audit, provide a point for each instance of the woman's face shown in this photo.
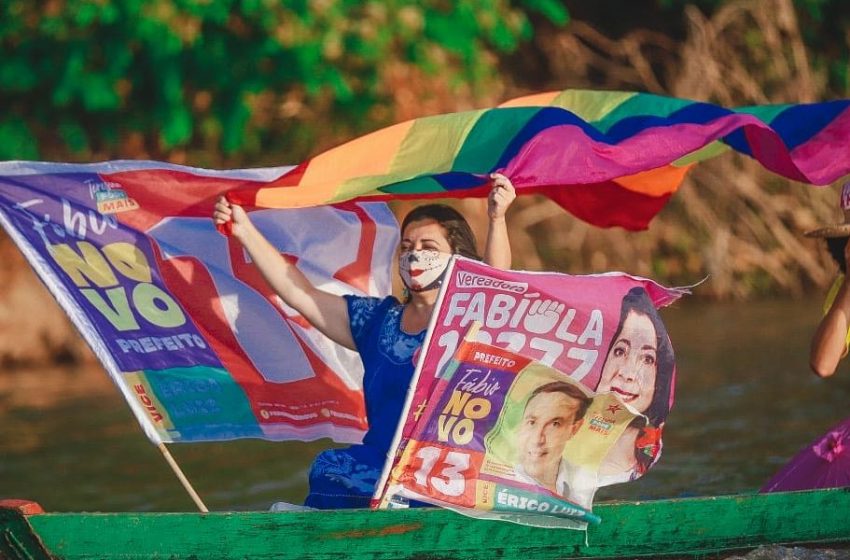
(424, 254)
(630, 368)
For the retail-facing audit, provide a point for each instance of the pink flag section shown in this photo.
(824, 463)
(182, 320)
(533, 390)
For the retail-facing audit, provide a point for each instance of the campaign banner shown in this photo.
(485, 430)
(177, 313)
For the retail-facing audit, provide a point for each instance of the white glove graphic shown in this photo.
(543, 315)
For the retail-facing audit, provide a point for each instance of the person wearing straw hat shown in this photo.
(832, 337)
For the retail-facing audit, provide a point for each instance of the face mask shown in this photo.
(423, 270)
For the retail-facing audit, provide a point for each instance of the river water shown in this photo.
(745, 403)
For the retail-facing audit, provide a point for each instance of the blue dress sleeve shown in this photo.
(363, 312)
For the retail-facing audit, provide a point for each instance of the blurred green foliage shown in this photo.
(80, 77)
(234, 82)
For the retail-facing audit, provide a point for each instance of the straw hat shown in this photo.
(836, 230)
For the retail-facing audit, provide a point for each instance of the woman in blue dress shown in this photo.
(385, 332)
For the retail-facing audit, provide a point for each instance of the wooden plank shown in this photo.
(676, 527)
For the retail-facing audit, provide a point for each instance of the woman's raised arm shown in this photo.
(326, 312)
(497, 249)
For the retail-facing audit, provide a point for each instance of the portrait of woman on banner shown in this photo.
(639, 371)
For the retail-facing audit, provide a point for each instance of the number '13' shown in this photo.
(442, 475)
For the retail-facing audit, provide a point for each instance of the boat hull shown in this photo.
(681, 527)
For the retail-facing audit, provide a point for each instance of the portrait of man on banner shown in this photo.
(552, 414)
(553, 434)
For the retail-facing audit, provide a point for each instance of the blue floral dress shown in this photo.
(346, 478)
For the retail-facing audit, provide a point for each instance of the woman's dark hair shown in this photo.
(637, 300)
(459, 234)
(836, 245)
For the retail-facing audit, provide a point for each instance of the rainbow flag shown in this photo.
(610, 158)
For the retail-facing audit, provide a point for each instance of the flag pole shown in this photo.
(182, 477)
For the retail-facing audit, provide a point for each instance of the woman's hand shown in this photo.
(225, 212)
(501, 196)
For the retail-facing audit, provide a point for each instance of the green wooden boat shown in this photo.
(680, 527)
